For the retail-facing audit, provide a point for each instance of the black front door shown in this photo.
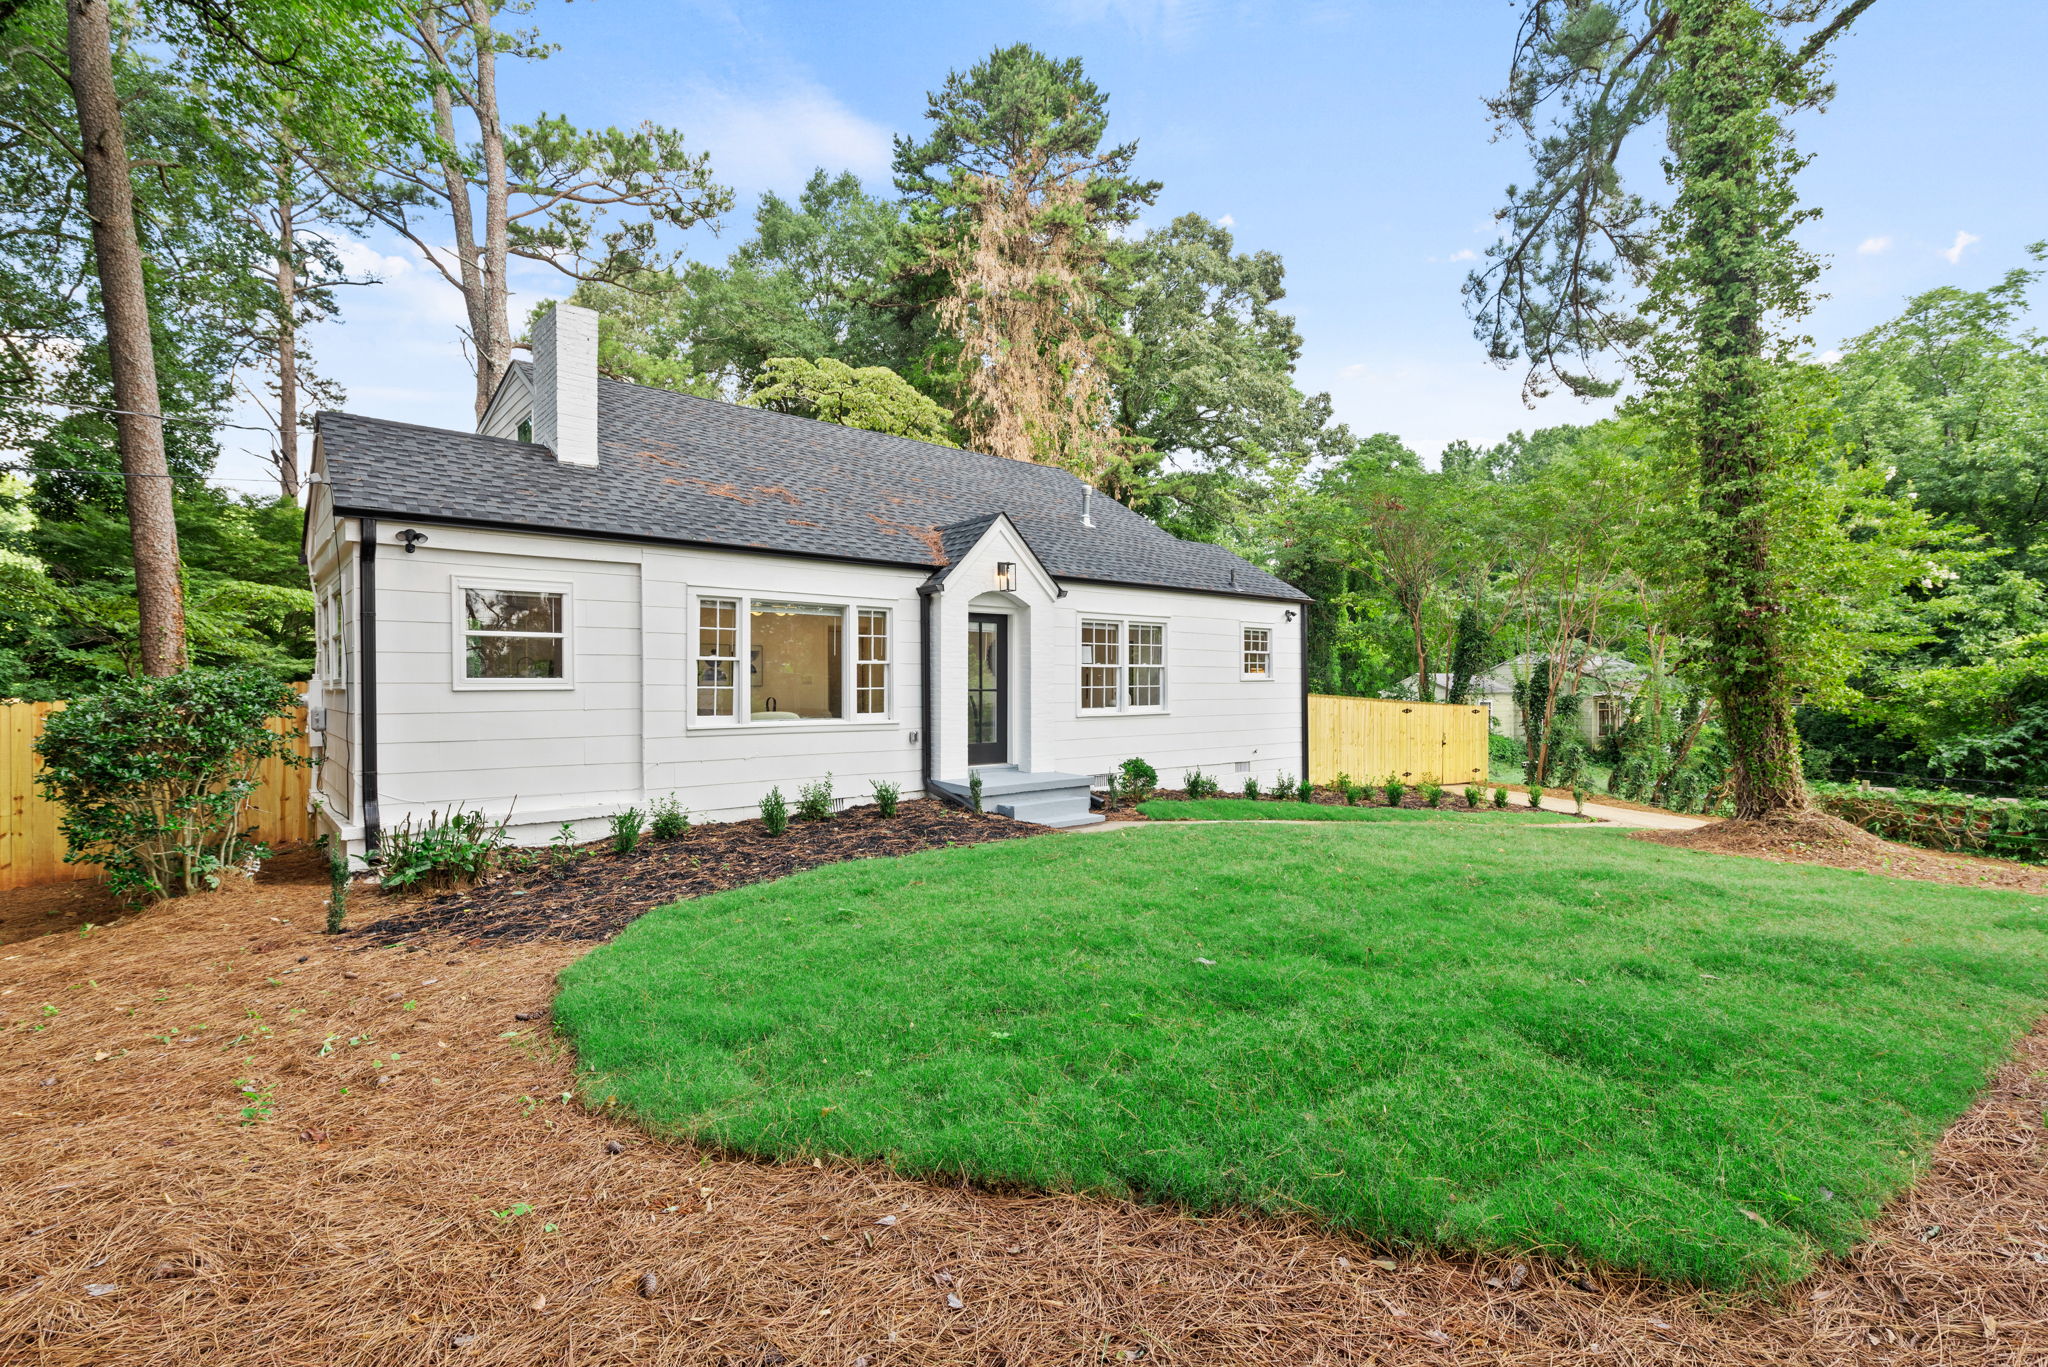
(988, 688)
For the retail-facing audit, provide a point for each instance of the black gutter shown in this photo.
(366, 702)
(927, 666)
(1305, 766)
(650, 539)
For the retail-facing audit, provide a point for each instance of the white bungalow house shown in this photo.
(1606, 685)
(611, 593)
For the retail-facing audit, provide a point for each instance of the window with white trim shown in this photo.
(513, 635)
(795, 661)
(1123, 665)
(1258, 652)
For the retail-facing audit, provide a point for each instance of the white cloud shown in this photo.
(1227, 221)
(1830, 357)
(764, 140)
(1463, 254)
(1170, 20)
(1432, 403)
(1871, 246)
(1954, 253)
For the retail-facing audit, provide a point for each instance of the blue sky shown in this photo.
(1348, 137)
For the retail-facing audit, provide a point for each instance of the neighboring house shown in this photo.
(611, 593)
(1606, 687)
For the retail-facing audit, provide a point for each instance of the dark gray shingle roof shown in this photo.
(673, 467)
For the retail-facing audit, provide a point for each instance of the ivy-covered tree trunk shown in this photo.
(1735, 204)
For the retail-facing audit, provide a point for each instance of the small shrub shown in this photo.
(1473, 794)
(667, 819)
(337, 891)
(1283, 787)
(439, 852)
(563, 851)
(1346, 789)
(626, 829)
(1141, 780)
(1579, 801)
(887, 795)
(775, 812)
(1500, 799)
(1112, 790)
(1535, 798)
(1251, 787)
(974, 792)
(1393, 789)
(1305, 791)
(154, 775)
(814, 800)
(1198, 785)
(1432, 793)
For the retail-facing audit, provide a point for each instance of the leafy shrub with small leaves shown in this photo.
(440, 851)
(1473, 795)
(1251, 787)
(1535, 797)
(1305, 791)
(1346, 789)
(564, 851)
(1141, 780)
(154, 775)
(814, 800)
(887, 795)
(1198, 785)
(337, 891)
(667, 819)
(1393, 790)
(775, 812)
(1579, 801)
(1431, 792)
(626, 829)
(974, 792)
(1500, 799)
(1283, 787)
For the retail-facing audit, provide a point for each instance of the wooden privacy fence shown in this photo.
(1370, 738)
(32, 846)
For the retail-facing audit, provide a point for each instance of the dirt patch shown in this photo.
(28, 912)
(1817, 838)
(412, 1188)
(596, 893)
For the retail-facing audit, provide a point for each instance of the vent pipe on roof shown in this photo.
(565, 383)
(1087, 505)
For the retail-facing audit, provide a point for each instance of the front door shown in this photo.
(988, 688)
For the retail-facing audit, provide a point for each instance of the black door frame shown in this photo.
(997, 752)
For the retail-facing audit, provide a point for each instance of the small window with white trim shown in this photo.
(1123, 666)
(871, 673)
(1258, 652)
(512, 635)
(718, 655)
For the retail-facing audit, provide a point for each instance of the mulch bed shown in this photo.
(596, 895)
(414, 1191)
(1817, 838)
(1453, 801)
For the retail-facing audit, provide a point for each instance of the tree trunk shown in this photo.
(287, 346)
(1718, 110)
(131, 352)
(494, 348)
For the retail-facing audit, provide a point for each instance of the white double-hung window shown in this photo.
(771, 660)
(1123, 665)
(512, 635)
(1258, 653)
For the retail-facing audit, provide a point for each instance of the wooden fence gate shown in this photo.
(1370, 738)
(32, 846)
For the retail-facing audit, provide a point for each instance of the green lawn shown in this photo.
(1244, 809)
(1708, 1068)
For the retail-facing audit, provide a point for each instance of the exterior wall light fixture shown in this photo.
(1006, 575)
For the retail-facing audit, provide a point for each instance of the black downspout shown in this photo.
(927, 672)
(366, 650)
(1304, 696)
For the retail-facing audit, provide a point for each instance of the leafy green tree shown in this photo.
(872, 398)
(1723, 276)
(1013, 201)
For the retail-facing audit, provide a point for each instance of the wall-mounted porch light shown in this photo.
(1006, 575)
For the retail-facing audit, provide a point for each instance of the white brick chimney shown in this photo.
(565, 383)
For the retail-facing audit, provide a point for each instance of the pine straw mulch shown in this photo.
(593, 897)
(1817, 838)
(355, 1225)
(1453, 801)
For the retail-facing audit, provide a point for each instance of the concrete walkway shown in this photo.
(1601, 814)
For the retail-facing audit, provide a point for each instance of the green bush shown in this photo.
(1141, 780)
(668, 819)
(974, 791)
(1473, 796)
(155, 775)
(1251, 786)
(887, 795)
(626, 829)
(1500, 799)
(1432, 793)
(1393, 789)
(1283, 787)
(775, 812)
(439, 852)
(1305, 791)
(1198, 785)
(1943, 820)
(1347, 790)
(814, 800)
(1505, 752)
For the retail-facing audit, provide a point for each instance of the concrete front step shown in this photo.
(1045, 799)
